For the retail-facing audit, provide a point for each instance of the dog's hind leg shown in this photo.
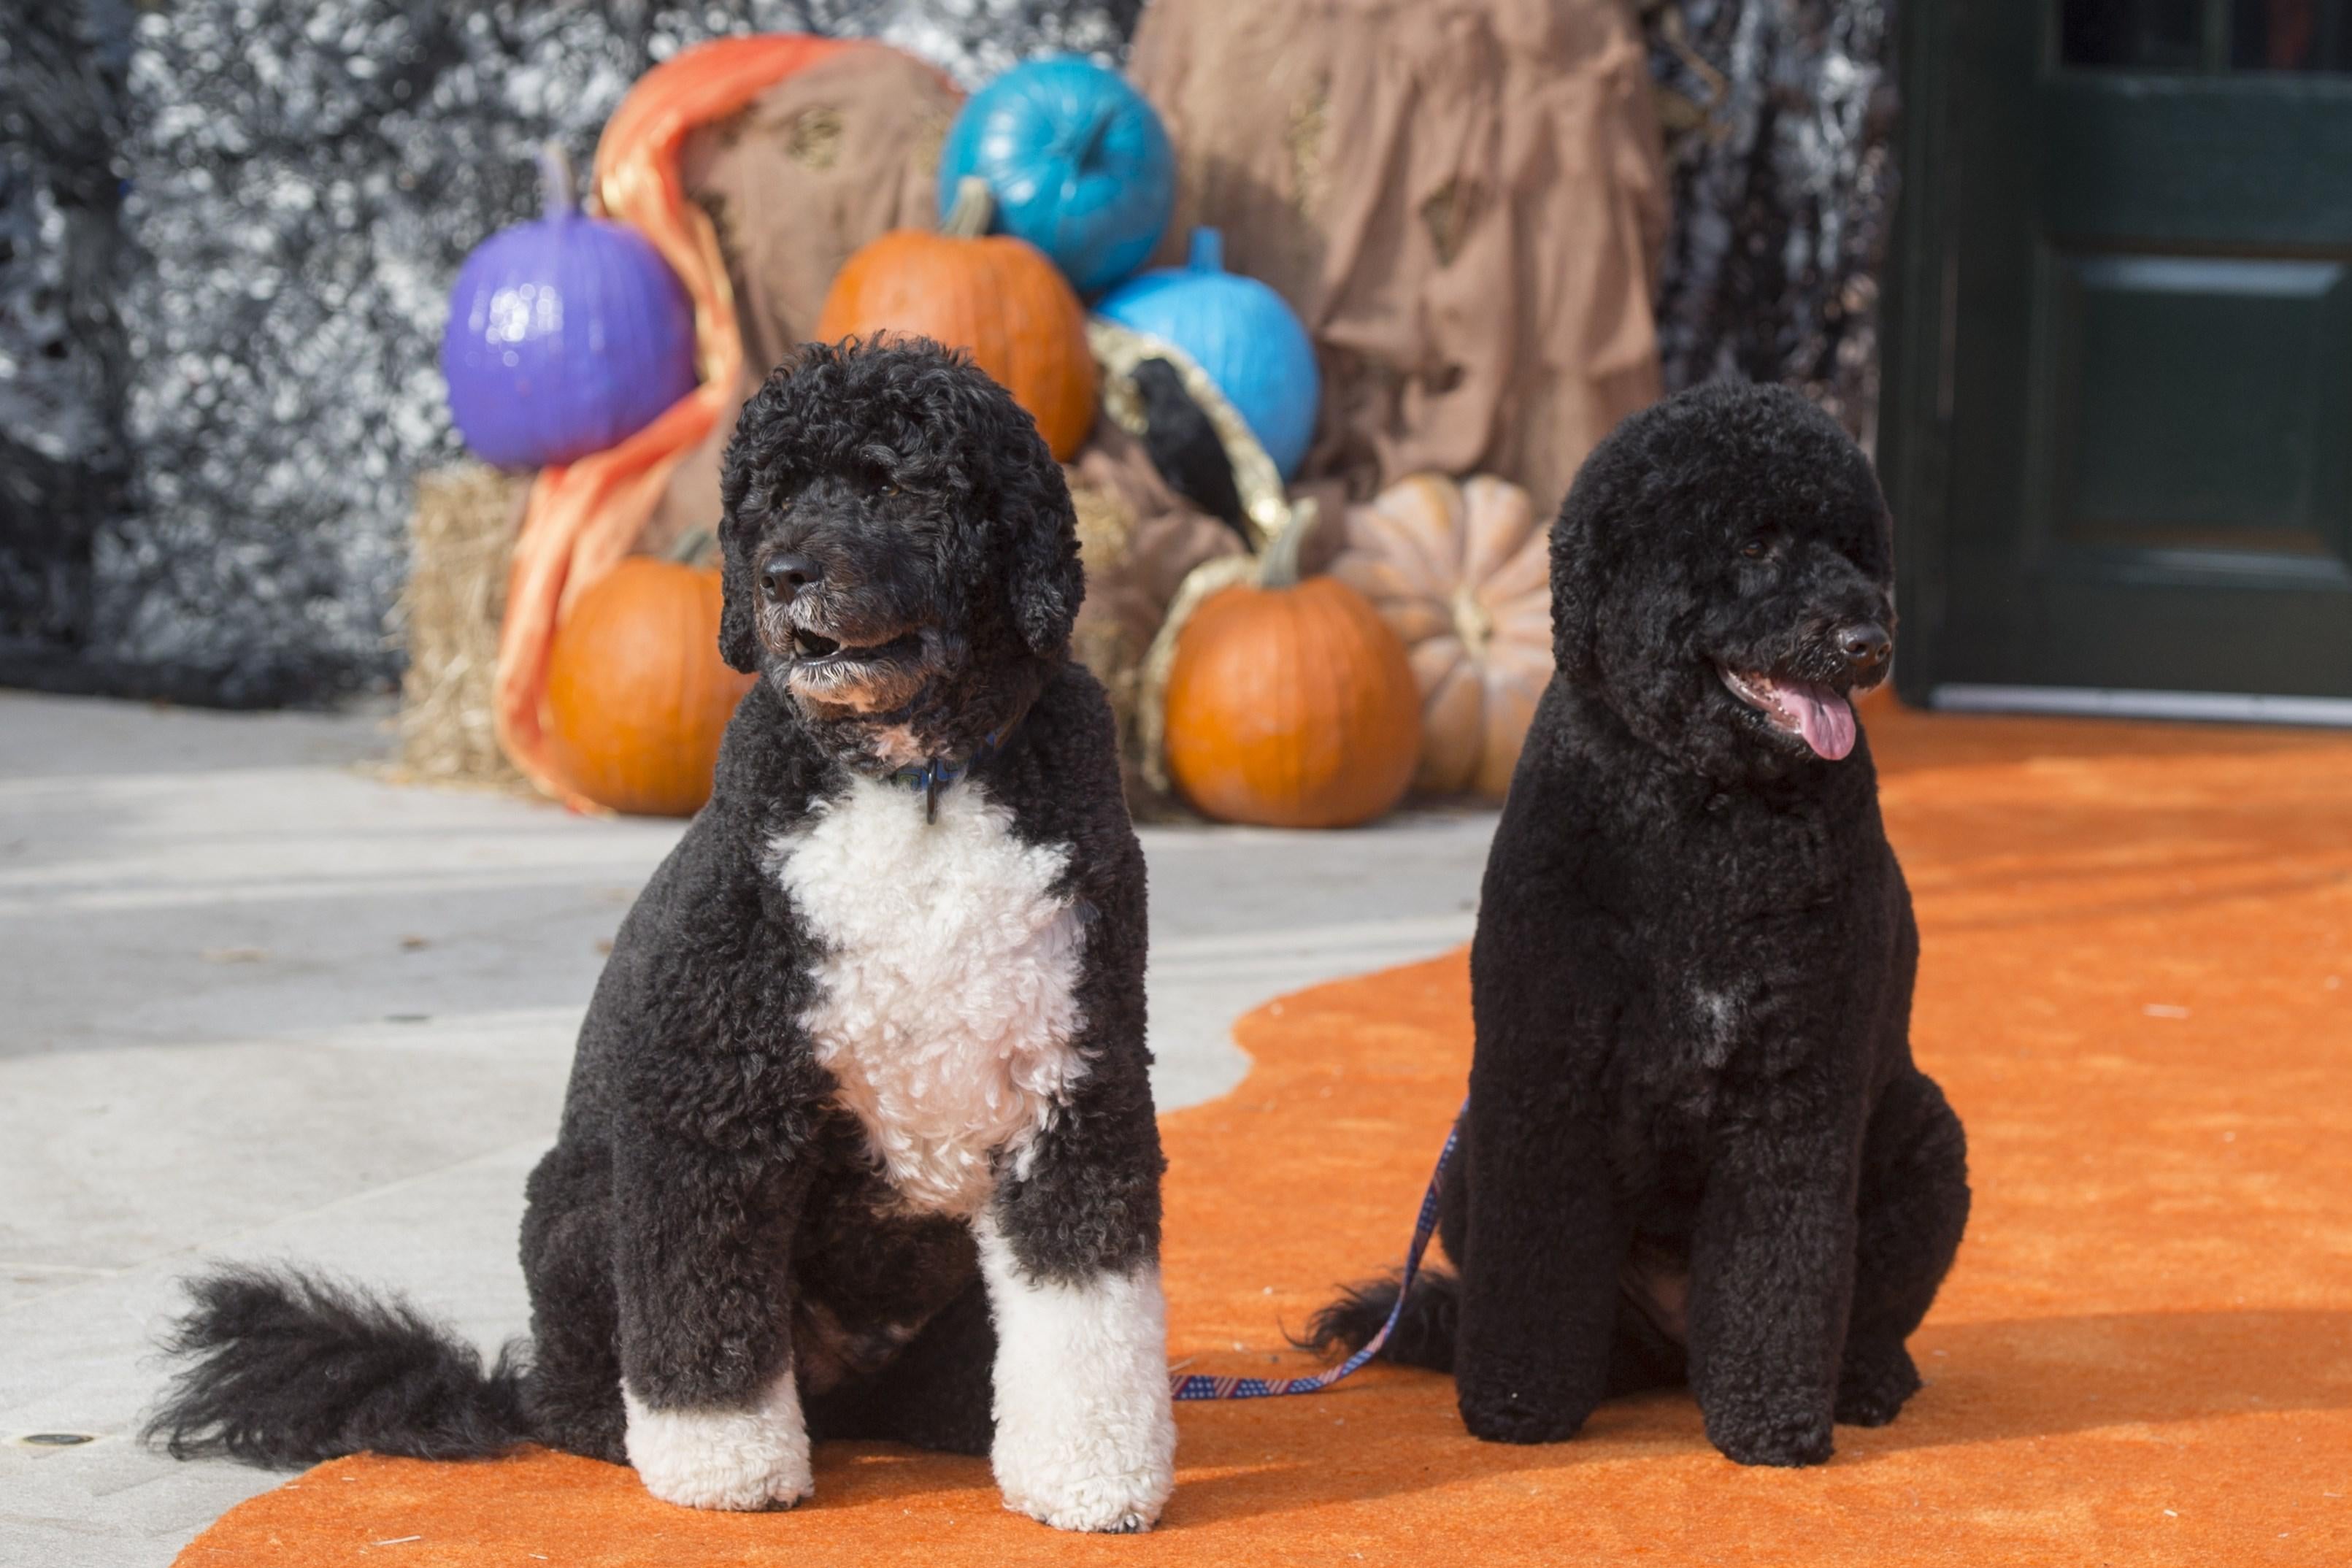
(935, 1393)
(573, 1390)
(1913, 1204)
(1642, 1356)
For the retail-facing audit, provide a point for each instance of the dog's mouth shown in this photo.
(813, 653)
(1820, 715)
(840, 677)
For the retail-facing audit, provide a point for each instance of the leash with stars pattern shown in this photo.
(1202, 1385)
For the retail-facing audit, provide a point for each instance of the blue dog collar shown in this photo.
(928, 779)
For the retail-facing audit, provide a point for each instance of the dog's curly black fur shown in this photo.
(901, 569)
(1697, 1145)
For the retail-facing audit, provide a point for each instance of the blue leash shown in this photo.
(1201, 1385)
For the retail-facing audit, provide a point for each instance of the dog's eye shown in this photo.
(887, 488)
(1758, 548)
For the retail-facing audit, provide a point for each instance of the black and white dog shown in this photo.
(859, 1140)
(1696, 1148)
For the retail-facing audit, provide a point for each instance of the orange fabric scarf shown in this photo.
(583, 517)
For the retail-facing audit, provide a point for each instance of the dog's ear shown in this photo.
(738, 644)
(1573, 594)
(1018, 528)
(1048, 581)
(764, 427)
(739, 498)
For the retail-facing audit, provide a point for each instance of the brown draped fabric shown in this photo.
(818, 165)
(1464, 199)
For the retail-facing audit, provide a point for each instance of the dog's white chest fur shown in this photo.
(946, 971)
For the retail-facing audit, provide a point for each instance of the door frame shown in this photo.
(1920, 295)
(1918, 346)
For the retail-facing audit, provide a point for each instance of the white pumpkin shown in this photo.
(1463, 574)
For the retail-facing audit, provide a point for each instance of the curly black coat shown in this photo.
(1697, 1145)
(901, 568)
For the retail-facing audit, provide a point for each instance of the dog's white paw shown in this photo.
(1095, 1469)
(742, 1461)
(1086, 1436)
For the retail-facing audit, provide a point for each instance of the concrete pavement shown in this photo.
(256, 1002)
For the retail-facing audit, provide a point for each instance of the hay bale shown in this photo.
(459, 539)
(1106, 645)
(1139, 541)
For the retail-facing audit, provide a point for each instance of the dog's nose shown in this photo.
(1865, 645)
(785, 575)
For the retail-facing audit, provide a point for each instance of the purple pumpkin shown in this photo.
(566, 336)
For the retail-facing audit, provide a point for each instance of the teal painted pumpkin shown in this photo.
(1078, 162)
(1241, 333)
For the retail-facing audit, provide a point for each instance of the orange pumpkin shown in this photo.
(1290, 703)
(1463, 574)
(994, 295)
(638, 696)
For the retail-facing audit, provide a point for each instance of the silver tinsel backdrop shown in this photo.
(228, 226)
(1779, 116)
(62, 460)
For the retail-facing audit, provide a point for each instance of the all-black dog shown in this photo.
(867, 1065)
(1697, 1146)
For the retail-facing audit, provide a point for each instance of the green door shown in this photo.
(2119, 421)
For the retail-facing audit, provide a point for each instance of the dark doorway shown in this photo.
(2119, 431)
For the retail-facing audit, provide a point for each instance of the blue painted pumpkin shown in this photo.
(1078, 161)
(1242, 334)
(566, 336)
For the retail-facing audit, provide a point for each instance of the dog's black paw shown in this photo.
(1511, 1418)
(1780, 1441)
(1872, 1386)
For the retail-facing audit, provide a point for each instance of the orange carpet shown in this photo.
(2137, 988)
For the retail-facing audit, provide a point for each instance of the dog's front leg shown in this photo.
(1539, 1261)
(1086, 1437)
(701, 1250)
(1772, 1280)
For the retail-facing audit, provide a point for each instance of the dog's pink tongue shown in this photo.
(1825, 717)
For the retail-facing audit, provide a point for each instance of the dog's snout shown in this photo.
(1864, 644)
(785, 575)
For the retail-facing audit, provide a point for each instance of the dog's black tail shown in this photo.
(285, 1369)
(1424, 1330)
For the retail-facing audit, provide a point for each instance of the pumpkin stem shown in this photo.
(1279, 567)
(1088, 143)
(1208, 252)
(693, 547)
(1473, 622)
(557, 189)
(974, 209)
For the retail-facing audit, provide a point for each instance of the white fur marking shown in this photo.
(1086, 1435)
(1719, 1015)
(946, 1004)
(739, 1460)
